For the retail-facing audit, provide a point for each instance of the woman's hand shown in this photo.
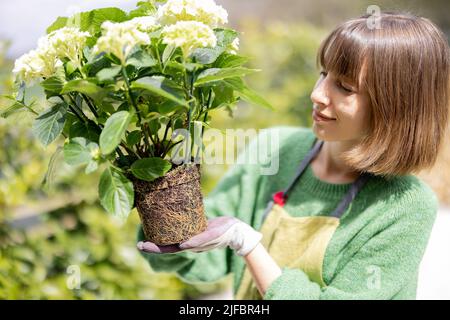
(221, 232)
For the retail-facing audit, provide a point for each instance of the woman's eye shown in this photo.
(346, 89)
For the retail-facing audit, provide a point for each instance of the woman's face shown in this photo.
(348, 110)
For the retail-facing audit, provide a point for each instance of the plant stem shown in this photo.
(189, 115)
(130, 96)
(170, 148)
(165, 136)
(72, 109)
(208, 105)
(90, 105)
(119, 152)
(167, 129)
(147, 143)
(140, 152)
(30, 109)
(76, 113)
(130, 151)
(159, 58)
(87, 120)
(75, 106)
(154, 142)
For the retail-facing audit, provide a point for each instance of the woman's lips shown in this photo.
(317, 116)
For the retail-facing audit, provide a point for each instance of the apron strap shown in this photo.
(305, 162)
(281, 196)
(351, 194)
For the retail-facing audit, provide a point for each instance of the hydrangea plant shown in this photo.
(119, 85)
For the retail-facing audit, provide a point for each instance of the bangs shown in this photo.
(344, 52)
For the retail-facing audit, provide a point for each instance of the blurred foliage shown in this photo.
(45, 230)
(36, 264)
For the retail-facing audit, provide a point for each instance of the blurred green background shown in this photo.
(47, 228)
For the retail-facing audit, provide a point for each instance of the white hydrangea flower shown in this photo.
(34, 65)
(144, 24)
(120, 38)
(233, 48)
(189, 35)
(67, 42)
(43, 61)
(206, 11)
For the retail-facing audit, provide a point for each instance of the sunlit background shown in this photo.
(48, 231)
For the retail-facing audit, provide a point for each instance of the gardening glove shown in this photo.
(221, 232)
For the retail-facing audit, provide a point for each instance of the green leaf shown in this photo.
(116, 193)
(191, 66)
(215, 74)
(50, 123)
(114, 130)
(86, 86)
(141, 59)
(154, 125)
(88, 131)
(105, 106)
(91, 167)
(80, 85)
(227, 60)
(123, 106)
(168, 52)
(15, 107)
(92, 20)
(125, 161)
(96, 64)
(168, 106)
(59, 23)
(53, 84)
(47, 182)
(161, 86)
(175, 65)
(133, 138)
(246, 93)
(144, 8)
(108, 74)
(149, 169)
(79, 151)
(207, 55)
(223, 95)
(70, 68)
(225, 36)
(106, 14)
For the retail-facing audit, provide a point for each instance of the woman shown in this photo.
(347, 219)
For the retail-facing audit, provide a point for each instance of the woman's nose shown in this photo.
(320, 95)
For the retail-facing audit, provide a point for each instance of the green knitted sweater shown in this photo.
(374, 254)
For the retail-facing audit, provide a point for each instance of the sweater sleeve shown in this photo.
(380, 269)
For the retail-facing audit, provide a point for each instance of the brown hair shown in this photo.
(403, 66)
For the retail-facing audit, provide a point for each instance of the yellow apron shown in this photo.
(297, 242)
